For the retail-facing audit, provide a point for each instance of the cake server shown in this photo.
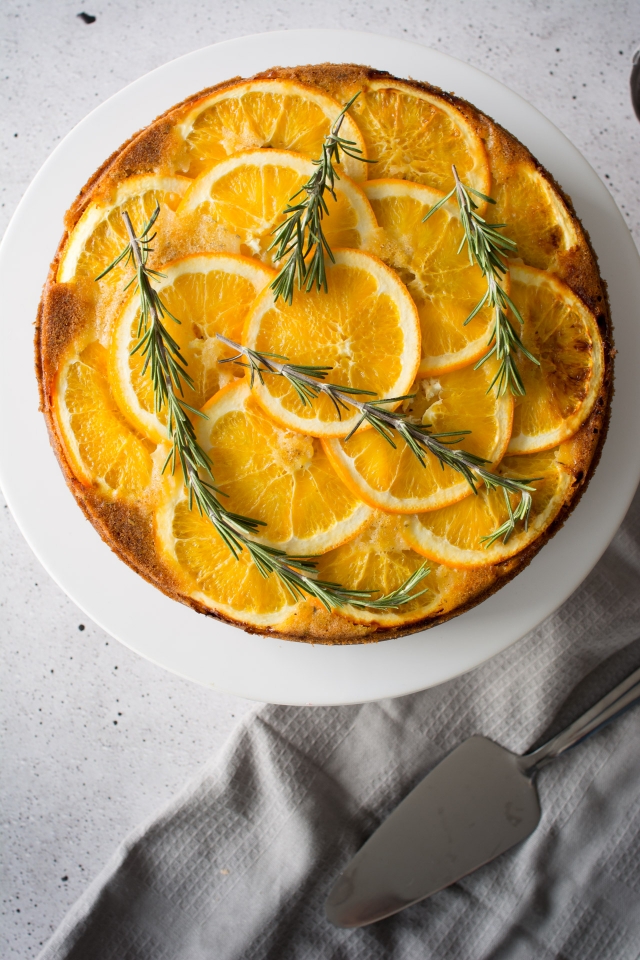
(635, 83)
(477, 803)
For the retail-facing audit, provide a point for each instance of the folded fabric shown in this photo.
(238, 866)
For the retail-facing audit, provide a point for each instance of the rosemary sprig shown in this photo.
(168, 376)
(418, 436)
(421, 441)
(300, 237)
(403, 593)
(487, 247)
(521, 512)
(307, 381)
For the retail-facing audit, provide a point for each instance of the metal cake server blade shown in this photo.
(635, 83)
(476, 804)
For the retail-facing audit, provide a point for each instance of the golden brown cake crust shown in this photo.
(65, 308)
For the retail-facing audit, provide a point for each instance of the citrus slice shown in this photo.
(444, 284)
(563, 334)
(380, 558)
(414, 135)
(535, 215)
(365, 328)
(208, 293)
(453, 535)
(393, 479)
(206, 570)
(100, 445)
(277, 476)
(100, 234)
(282, 114)
(248, 192)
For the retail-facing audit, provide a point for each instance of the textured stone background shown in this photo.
(95, 738)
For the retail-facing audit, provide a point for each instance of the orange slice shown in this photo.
(206, 570)
(208, 293)
(444, 284)
(563, 334)
(413, 135)
(535, 215)
(248, 192)
(379, 558)
(100, 234)
(453, 535)
(365, 328)
(393, 479)
(100, 445)
(277, 476)
(282, 114)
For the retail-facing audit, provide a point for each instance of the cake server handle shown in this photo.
(614, 703)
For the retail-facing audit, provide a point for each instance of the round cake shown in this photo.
(325, 354)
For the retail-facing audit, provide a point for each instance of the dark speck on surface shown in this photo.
(65, 878)
(87, 17)
(81, 626)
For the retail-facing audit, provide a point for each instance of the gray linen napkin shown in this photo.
(239, 864)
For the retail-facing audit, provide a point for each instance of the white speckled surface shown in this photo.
(94, 737)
